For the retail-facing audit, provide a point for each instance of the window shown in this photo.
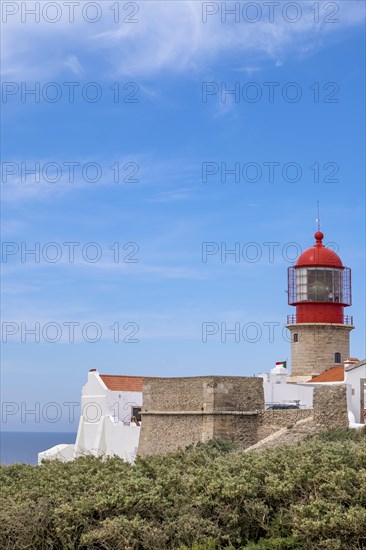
(296, 337)
(337, 357)
(136, 411)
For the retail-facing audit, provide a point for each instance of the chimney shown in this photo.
(350, 361)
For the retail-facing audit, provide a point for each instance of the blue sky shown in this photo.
(164, 142)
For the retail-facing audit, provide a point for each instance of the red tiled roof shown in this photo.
(116, 382)
(336, 374)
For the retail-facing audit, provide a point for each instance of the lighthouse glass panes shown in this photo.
(320, 284)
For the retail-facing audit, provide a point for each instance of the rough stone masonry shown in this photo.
(177, 412)
(330, 406)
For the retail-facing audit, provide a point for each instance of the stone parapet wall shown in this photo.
(177, 412)
(172, 394)
(272, 421)
(330, 406)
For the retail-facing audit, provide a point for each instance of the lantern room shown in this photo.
(319, 286)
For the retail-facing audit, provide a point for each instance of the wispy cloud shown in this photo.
(136, 170)
(165, 36)
(73, 63)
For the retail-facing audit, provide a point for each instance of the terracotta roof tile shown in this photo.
(116, 382)
(336, 374)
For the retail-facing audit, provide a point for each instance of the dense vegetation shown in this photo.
(310, 496)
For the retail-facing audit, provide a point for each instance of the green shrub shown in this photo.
(209, 497)
(343, 434)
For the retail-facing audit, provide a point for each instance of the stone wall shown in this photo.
(330, 406)
(240, 429)
(179, 411)
(272, 421)
(317, 343)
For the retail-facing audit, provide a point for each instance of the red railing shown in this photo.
(347, 320)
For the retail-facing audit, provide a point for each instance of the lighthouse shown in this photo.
(319, 286)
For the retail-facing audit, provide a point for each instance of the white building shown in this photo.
(108, 404)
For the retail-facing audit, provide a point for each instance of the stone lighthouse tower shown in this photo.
(320, 288)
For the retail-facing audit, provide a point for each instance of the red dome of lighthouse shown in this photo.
(318, 254)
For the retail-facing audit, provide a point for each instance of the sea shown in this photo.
(23, 447)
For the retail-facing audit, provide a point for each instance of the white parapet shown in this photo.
(108, 438)
(63, 452)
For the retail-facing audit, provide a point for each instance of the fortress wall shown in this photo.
(177, 412)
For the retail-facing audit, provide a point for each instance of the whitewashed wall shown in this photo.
(283, 393)
(104, 427)
(353, 377)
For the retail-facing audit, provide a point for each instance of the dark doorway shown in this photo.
(136, 411)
